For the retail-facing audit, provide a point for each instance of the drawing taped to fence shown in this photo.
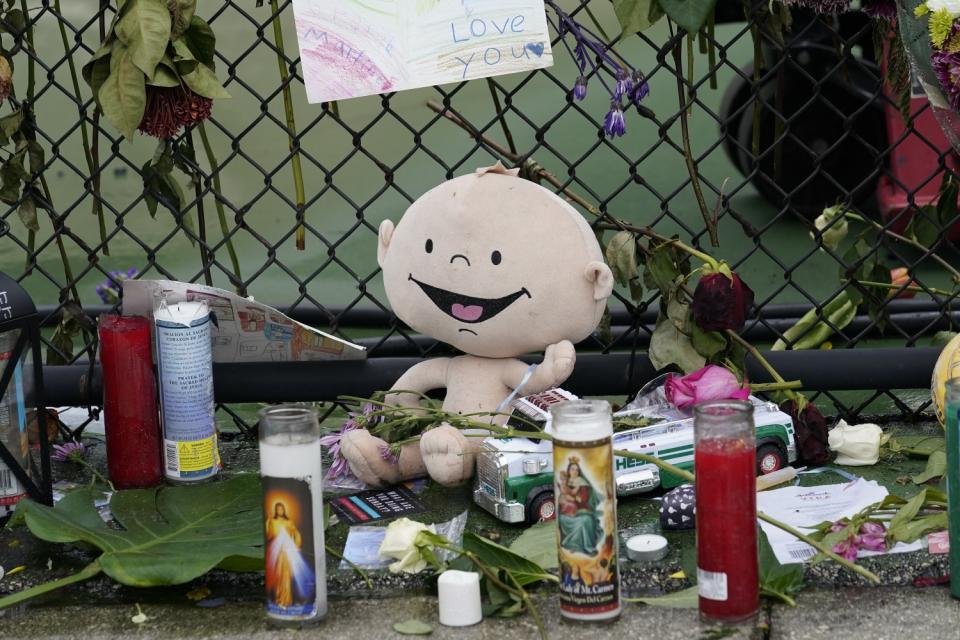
(351, 48)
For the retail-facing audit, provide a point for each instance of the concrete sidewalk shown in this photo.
(876, 614)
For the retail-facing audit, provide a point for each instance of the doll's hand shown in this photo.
(558, 361)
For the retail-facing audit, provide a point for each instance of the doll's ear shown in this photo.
(602, 278)
(385, 234)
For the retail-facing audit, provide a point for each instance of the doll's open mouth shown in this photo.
(468, 308)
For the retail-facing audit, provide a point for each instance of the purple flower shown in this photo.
(624, 85)
(879, 8)
(873, 536)
(640, 88)
(69, 452)
(847, 549)
(613, 123)
(580, 88)
(339, 467)
(109, 289)
(388, 455)
(947, 67)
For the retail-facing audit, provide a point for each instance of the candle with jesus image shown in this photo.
(295, 573)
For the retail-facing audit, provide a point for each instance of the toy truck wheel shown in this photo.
(770, 458)
(542, 508)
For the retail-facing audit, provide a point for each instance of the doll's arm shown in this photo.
(421, 377)
(557, 365)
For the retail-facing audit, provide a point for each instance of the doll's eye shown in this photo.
(495, 257)
(429, 246)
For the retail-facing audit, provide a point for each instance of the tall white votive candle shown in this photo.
(295, 569)
(459, 598)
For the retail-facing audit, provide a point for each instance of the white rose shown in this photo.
(832, 234)
(400, 543)
(952, 6)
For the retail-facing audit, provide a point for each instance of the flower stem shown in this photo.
(87, 150)
(897, 287)
(221, 214)
(687, 149)
(913, 243)
(87, 572)
(776, 386)
(360, 572)
(736, 337)
(293, 143)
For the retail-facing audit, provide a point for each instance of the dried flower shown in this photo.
(109, 289)
(580, 88)
(721, 302)
(873, 536)
(810, 432)
(614, 124)
(822, 6)
(6, 78)
(947, 67)
(879, 8)
(640, 88)
(169, 109)
(68, 452)
(400, 543)
(832, 231)
(624, 85)
(387, 454)
(712, 382)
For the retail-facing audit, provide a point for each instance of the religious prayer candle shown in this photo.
(295, 573)
(586, 502)
(185, 366)
(130, 413)
(952, 419)
(13, 424)
(726, 497)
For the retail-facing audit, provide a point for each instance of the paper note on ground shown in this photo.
(803, 507)
(245, 331)
(351, 48)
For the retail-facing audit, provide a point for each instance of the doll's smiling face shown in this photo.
(494, 265)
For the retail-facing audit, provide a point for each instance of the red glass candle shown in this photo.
(130, 402)
(727, 552)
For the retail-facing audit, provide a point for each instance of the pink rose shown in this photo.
(709, 383)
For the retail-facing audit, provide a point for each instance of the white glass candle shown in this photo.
(295, 567)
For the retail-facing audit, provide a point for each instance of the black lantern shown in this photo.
(21, 399)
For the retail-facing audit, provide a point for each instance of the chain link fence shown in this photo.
(779, 127)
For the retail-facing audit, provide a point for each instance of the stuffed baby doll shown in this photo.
(498, 267)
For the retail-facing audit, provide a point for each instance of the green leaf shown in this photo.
(936, 467)
(778, 580)
(688, 598)
(170, 535)
(923, 226)
(689, 14)
(538, 544)
(813, 328)
(621, 255)
(916, 529)
(921, 446)
(204, 82)
(495, 555)
(123, 95)
(165, 75)
(661, 272)
(145, 30)
(28, 214)
(9, 125)
(941, 338)
(906, 513)
(413, 627)
(636, 15)
(183, 57)
(202, 41)
(668, 345)
(707, 343)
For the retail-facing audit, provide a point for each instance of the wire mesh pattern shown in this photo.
(772, 146)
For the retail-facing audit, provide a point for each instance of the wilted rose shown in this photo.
(400, 543)
(709, 383)
(900, 277)
(873, 536)
(832, 231)
(811, 432)
(721, 302)
(6, 78)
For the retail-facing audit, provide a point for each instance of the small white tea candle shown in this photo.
(647, 547)
(459, 598)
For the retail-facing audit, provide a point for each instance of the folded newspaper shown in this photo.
(244, 331)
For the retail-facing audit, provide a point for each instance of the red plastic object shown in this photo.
(913, 160)
(131, 416)
(726, 491)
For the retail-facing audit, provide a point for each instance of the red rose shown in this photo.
(810, 429)
(721, 303)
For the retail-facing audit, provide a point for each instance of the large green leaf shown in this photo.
(539, 544)
(495, 555)
(621, 255)
(636, 15)
(688, 598)
(669, 345)
(145, 29)
(689, 14)
(901, 519)
(777, 580)
(936, 467)
(201, 40)
(171, 534)
(123, 95)
(204, 82)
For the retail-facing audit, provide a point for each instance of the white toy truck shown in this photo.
(514, 478)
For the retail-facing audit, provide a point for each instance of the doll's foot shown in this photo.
(448, 455)
(370, 459)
